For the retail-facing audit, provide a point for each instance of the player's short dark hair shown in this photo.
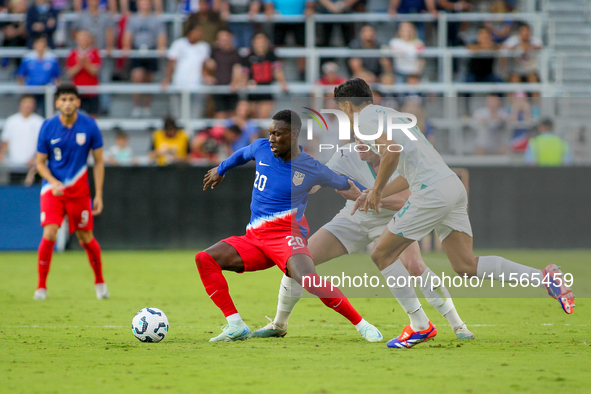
(290, 117)
(66, 88)
(355, 90)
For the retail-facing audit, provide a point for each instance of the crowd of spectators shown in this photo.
(214, 51)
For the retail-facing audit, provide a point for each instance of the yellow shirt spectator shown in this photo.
(170, 145)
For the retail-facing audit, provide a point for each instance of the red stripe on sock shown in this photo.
(332, 297)
(215, 284)
(44, 254)
(93, 251)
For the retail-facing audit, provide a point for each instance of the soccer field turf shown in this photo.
(74, 343)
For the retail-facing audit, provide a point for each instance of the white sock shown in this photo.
(501, 269)
(290, 293)
(454, 319)
(360, 325)
(405, 295)
(437, 297)
(234, 319)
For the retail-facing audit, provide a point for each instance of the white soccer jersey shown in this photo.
(419, 162)
(346, 161)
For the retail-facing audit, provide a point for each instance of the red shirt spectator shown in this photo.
(330, 74)
(84, 61)
(83, 67)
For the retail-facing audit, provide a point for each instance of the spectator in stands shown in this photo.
(169, 145)
(335, 7)
(547, 149)
(15, 33)
(491, 127)
(413, 105)
(121, 153)
(186, 58)
(499, 30)
(224, 58)
(210, 19)
(144, 31)
(216, 144)
(41, 21)
(131, 6)
(453, 28)
(100, 24)
(525, 65)
(293, 7)
(260, 68)
(205, 146)
(481, 66)
(249, 129)
(242, 31)
(413, 7)
(368, 68)
(406, 47)
(83, 65)
(330, 74)
(39, 67)
(103, 5)
(19, 139)
(520, 116)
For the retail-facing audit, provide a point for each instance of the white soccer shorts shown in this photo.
(353, 233)
(442, 207)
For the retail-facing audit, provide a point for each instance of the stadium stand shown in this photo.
(561, 66)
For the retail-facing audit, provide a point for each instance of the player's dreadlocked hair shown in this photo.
(66, 88)
(355, 90)
(290, 117)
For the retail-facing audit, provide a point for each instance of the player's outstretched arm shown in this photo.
(238, 158)
(99, 179)
(340, 182)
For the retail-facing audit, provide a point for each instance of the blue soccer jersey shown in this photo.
(67, 152)
(281, 188)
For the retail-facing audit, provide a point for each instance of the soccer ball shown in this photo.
(150, 325)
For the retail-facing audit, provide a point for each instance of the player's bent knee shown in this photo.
(224, 255)
(50, 232)
(84, 236)
(465, 268)
(415, 266)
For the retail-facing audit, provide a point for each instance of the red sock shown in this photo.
(44, 261)
(332, 297)
(93, 251)
(215, 284)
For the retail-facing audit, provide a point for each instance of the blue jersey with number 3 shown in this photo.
(280, 190)
(67, 152)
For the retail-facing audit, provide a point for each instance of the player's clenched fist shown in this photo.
(57, 189)
(212, 178)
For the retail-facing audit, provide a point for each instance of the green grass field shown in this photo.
(73, 343)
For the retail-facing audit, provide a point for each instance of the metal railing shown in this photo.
(444, 55)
